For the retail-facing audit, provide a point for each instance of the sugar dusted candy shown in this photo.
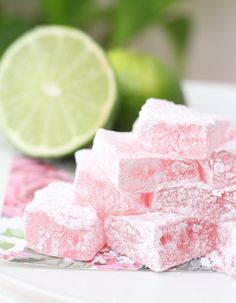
(93, 188)
(127, 165)
(131, 168)
(228, 199)
(232, 132)
(158, 240)
(179, 131)
(223, 165)
(56, 227)
(223, 258)
(190, 199)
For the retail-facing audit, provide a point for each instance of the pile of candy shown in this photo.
(162, 195)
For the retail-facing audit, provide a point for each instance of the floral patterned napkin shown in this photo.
(26, 176)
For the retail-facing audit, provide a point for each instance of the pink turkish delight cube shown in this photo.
(232, 132)
(132, 169)
(56, 227)
(179, 131)
(159, 240)
(228, 199)
(223, 258)
(92, 187)
(191, 199)
(223, 165)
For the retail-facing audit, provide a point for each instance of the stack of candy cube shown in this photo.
(162, 194)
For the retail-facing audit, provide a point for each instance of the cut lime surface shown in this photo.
(56, 89)
(141, 76)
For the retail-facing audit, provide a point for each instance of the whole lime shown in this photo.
(141, 76)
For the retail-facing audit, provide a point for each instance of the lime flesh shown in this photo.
(56, 89)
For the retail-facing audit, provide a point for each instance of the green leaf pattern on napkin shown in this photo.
(13, 233)
(4, 245)
(11, 236)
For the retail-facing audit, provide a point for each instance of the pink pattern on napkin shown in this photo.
(26, 176)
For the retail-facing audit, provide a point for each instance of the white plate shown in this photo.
(33, 284)
(19, 283)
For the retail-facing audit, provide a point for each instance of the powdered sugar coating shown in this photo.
(189, 199)
(92, 187)
(223, 259)
(223, 165)
(228, 198)
(132, 169)
(56, 227)
(179, 131)
(160, 109)
(56, 200)
(232, 131)
(159, 240)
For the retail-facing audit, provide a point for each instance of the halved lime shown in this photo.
(56, 89)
